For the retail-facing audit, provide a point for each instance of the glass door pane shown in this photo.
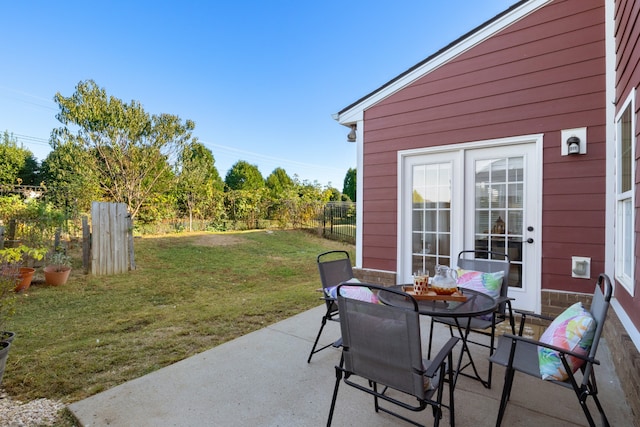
(431, 216)
(499, 190)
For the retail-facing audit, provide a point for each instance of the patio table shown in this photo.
(476, 304)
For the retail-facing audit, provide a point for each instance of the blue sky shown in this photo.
(260, 79)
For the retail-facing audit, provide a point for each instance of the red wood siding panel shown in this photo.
(627, 35)
(542, 74)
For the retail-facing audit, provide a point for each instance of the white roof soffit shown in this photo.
(354, 112)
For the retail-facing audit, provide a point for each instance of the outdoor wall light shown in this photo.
(573, 145)
(352, 135)
(573, 141)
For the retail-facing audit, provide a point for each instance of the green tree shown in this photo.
(278, 182)
(17, 164)
(281, 191)
(246, 194)
(304, 202)
(161, 204)
(244, 176)
(350, 184)
(336, 195)
(199, 187)
(71, 181)
(131, 149)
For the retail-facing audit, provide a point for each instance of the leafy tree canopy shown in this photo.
(199, 184)
(17, 164)
(70, 180)
(131, 150)
(336, 196)
(279, 182)
(350, 183)
(244, 176)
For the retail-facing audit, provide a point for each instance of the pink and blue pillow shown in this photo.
(572, 330)
(361, 293)
(487, 283)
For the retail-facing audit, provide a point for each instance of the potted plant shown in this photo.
(9, 274)
(14, 260)
(57, 271)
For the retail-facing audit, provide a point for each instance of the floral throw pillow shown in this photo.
(488, 283)
(572, 330)
(354, 292)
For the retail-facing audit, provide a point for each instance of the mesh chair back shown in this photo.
(598, 309)
(488, 262)
(334, 271)
(382, 343)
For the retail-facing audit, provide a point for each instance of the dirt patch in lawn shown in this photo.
(218, 240)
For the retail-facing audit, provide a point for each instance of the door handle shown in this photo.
(529, 240)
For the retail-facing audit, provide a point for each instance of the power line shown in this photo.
(32, 139)
(216, 148)
(264, 157)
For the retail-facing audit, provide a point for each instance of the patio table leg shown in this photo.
(465, 349)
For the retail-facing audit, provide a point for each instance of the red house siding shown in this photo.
(542, 74)
(627, 35)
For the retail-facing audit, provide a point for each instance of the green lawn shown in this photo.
(189, 293)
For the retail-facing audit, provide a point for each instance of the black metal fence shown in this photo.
(337, 220)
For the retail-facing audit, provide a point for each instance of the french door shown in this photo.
(484, 198)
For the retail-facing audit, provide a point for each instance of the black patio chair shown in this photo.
(485, 262)
(382, 345)
(518, 353)
(334, 268)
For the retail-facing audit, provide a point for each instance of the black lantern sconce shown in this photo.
(573, 141)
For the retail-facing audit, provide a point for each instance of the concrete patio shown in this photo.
(263, 379)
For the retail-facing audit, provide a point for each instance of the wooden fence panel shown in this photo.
(109, 238)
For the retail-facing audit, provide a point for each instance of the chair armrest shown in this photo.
(525, 313)
(517, 338)
(523, 318)
(439, 359)
(500, 300)
(325, 296)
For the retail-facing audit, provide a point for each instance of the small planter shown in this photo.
(7, 336)
(24, 278)
(56, 276)
(4, 353)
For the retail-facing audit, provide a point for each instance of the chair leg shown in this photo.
(335, 390)
(582, 394)
(603, 416)
(491, 350)
(430, 340)
(587, 413)
(374, 386)
(437, 408)
(506, 392)
(512, 322)
(315, 343)
(452, 411)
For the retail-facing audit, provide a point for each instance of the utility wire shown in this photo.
(31, 139)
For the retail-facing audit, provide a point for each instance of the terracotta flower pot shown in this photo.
(24, 278)
(56, 276)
